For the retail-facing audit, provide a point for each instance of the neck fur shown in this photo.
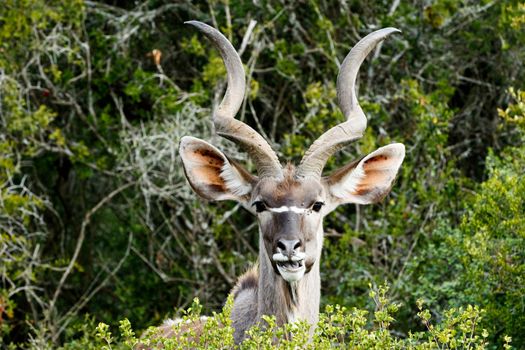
(289, 302)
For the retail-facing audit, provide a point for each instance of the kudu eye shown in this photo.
(317, 206)
(259, 206)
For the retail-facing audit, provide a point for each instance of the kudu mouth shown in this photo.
(291, 268)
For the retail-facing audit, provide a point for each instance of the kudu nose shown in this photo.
(288, 246)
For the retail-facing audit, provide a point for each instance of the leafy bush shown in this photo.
(97, 219)
(482, 260)
(337, 327)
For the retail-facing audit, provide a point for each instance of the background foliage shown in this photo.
(98, 224)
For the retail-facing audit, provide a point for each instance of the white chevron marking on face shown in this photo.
(284, 209)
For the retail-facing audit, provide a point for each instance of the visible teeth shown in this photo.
(290, 264)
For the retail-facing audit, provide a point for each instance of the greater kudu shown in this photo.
(289, 202)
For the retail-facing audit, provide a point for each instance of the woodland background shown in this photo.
(97, 222)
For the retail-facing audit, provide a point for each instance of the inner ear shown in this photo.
(369, 179)
(211, 174)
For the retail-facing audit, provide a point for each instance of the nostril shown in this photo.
(288, 247)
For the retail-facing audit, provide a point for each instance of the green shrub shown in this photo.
(338, 327)
(482, 260)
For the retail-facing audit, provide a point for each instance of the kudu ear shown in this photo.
(211, 174)
(367, 180)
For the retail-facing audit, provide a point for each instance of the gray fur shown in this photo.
(244, 312)
(272, 296)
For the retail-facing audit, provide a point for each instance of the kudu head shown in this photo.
(290, 202)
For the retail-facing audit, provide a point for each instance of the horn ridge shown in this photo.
(353, 128)
(266, 160)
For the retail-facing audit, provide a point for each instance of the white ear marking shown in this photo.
(370, 180)
(234, 181)
(349, 184)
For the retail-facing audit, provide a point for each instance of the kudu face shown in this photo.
(290, 202)
(290, 215)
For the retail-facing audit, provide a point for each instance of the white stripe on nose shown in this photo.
(284, 209)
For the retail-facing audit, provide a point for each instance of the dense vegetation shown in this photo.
(97, 222)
